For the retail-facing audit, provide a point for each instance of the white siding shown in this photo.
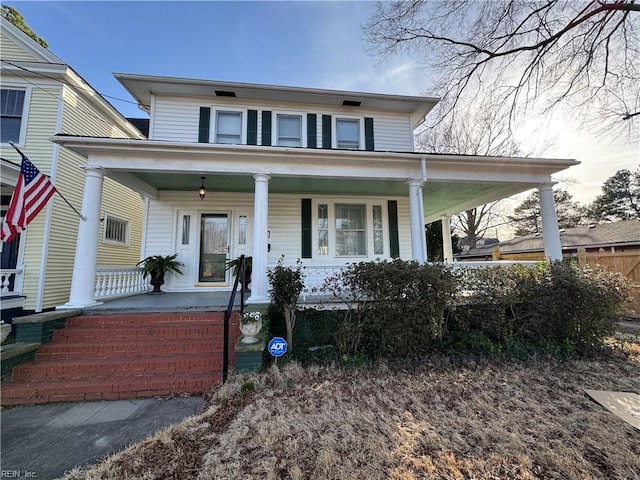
(284, 225)
(176, 119)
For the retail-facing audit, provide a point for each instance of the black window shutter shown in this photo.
(326, 131)
(252, 127)
(204, 125)
(394, 240)
(266, 127)
(307, 248)
(312, 131)
(369, 144)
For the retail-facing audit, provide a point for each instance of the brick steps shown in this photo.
(108, 388)
(69, 350)
(124, 356)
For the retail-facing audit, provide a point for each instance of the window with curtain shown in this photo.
(229, 127)
(351, 230)
(378, 230)
(323, 229)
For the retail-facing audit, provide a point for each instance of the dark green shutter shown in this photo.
(307, 247)
(394, 240)
(252, 127)
(369, 144)
(205, 125)
(312, 130)
(266, 127)
(326, 131)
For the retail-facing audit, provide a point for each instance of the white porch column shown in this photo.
(447, 246)
(84, 267)
(259, 281)
(418, 237)
(550, 231)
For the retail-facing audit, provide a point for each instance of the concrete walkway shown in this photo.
(45, 441)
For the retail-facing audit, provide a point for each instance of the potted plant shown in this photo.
(156, 266)
(235, 265)
(250, 326)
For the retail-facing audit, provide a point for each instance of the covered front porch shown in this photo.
(328, 208)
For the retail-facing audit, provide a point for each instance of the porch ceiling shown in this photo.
(439, 197)
(454, 182)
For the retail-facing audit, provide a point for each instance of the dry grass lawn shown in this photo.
(468, 419)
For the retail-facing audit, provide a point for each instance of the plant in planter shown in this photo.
(156, 266)
(235, 265)
(250, 326)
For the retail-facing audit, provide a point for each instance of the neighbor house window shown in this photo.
(351, 230)
(11, 121)
(289, 130)
(229, 127)
(116, 230)
(348, 133)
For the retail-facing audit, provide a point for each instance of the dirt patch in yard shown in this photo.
(440, 418)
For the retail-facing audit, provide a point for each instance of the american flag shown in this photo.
(32, 192)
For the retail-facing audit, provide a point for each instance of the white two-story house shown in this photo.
(327, 177)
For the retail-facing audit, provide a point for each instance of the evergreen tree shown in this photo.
(14, 16)
(620, 198)
(527, 217)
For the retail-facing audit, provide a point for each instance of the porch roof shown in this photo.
(453, 182)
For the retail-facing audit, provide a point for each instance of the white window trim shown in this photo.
(368, 202)
(334, 129)
(275, 126)
(25, 111)
(213, 132)
(107, 241)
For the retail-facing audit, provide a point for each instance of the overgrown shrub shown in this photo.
(555, 307)
(397, 308)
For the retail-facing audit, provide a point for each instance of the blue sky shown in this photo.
(312, 44)
(308, 44)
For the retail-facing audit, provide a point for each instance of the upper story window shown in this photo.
(12, 103)
(289, 130)
(348, 133)
(228, 127)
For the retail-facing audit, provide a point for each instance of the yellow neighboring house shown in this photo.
(42, 97)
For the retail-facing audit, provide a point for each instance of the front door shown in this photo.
(214, 248)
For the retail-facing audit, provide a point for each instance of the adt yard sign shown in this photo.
(277, 346)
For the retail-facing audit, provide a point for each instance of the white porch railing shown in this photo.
(315, 275)
(114, 282)
(497, 263)
(6, 276)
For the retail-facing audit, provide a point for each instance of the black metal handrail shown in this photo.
(240, 278)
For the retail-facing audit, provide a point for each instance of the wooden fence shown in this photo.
(626, 263)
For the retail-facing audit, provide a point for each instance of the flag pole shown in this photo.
(57, 191)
